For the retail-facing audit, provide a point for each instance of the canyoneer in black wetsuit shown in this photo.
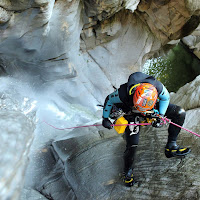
(140, 95)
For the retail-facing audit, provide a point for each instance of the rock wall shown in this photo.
(89, 162)
(55, 39)
(17, 133)
(192, 41)
(15, 147)
(70, 54)
(188, 98)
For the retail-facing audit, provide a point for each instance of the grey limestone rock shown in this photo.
(71, 53)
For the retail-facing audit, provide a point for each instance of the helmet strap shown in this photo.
(133, 88)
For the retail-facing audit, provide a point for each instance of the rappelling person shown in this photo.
(140, 95)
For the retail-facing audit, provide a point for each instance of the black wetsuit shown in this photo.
(124, 97)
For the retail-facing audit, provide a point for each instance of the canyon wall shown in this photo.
(65, 57)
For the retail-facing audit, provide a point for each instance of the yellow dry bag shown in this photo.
(120, 129)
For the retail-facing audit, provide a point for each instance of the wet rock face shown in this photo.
(4, 16)
(91, 46)
(15, 142)
(92, 166)
(17, 133)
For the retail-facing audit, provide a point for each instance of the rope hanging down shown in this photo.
(140, 124)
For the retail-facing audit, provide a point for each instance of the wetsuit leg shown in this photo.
(132, 141)
(177, 115)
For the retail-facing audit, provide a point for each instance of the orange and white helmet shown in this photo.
(145, 97)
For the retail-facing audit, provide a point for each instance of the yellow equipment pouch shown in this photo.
(120, 129)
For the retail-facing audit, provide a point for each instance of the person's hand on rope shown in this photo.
(107, 123)
(158, 122)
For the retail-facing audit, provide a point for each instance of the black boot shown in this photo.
(174, 150)
(129, 156)
(128, 178)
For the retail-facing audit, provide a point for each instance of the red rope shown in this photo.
(141, 124)
(182, 127)
(71, 127)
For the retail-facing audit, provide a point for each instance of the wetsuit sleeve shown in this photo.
(111, 99)
(164, 99)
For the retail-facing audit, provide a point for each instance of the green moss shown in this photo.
(176, 69)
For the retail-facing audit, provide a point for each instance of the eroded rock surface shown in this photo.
(71, 53)
(93, 164)
(15, 142)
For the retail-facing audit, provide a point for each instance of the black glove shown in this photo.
(158, 123)
(107, 123)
